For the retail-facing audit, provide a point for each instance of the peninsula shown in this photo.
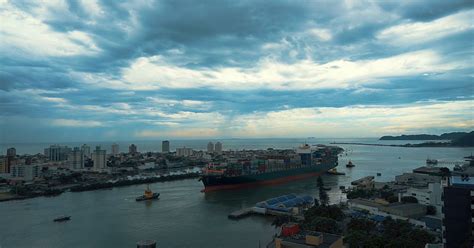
(458, 139)
(444, 136)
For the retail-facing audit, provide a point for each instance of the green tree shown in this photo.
(385, 194)
(316, 202)
(394, 234)
(409, 199)
(360, 239)
(323, 197)
(392, 199)
(360, 193)
(430, 210)
(360, 224)
(280, 220)
(332, 211)
(322, 224)
(320, 182)
(356, 238)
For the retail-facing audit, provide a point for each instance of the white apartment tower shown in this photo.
(99, 158)
(184, 152)
(26, 172)
(210, 147)
(218, 147)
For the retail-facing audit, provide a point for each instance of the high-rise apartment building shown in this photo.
(165, 146)
(3, 165)
(9, 160)
(458, 211)
(57, 152)
(184, 152)
(210, 147)
(99, 158)
(76, 159)
(11, 152)
(218, 147)
(132, 149)
(115, 149)
(86, 150)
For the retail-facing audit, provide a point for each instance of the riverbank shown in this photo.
(10, 197)
(95, 186)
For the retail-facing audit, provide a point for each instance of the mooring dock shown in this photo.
(240, 213)
(286, 205)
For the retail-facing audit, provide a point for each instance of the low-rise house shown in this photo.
(26, 172)
(416, 179)
(292, 237)
(430, 195)
(395, 210)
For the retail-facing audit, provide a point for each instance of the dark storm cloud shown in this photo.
(211, 35)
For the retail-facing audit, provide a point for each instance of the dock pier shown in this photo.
(245, 212)
(239, 214)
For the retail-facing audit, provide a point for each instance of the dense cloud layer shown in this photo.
(110, 70)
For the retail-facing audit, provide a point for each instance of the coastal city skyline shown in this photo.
(98, 70)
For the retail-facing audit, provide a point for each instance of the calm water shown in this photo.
(185, 217)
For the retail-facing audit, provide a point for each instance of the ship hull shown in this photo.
(216, 182)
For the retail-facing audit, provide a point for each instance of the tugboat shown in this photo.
(62, 218)
(333, 171)
(350, 164)
(148, 195)
(431, 161)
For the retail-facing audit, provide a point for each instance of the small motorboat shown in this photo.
(350, 164)
(148, 195)
(62, 218)
(379, 174)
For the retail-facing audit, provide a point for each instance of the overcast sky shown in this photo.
(115, 70)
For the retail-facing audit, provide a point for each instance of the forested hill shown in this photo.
(465, 140)
(444, 136)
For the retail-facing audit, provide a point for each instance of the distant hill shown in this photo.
(445, 136)
(465, 140)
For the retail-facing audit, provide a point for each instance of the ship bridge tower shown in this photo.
(305, 154)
